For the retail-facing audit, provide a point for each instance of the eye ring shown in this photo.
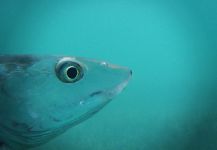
(68, 70)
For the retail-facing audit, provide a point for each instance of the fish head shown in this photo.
(51, 94)
(76, 88)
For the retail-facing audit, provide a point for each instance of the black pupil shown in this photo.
(72, 72)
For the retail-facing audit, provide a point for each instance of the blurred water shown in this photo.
(171, 47)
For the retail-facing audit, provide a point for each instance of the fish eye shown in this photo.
(68, 71)
(72, 72)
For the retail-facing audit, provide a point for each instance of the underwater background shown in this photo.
(171, 46)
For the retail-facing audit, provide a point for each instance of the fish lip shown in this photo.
(113, 91)
(119, 88)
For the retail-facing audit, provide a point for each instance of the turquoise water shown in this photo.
(171, 46)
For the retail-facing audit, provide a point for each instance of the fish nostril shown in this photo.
(95, 93)
(131, 72)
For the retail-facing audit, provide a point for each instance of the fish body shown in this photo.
(43, 96)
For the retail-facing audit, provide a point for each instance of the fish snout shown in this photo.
(120, 78)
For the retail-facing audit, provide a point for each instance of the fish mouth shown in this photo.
(119, 88)
(112, 92)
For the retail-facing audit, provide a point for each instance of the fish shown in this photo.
(41, 97)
